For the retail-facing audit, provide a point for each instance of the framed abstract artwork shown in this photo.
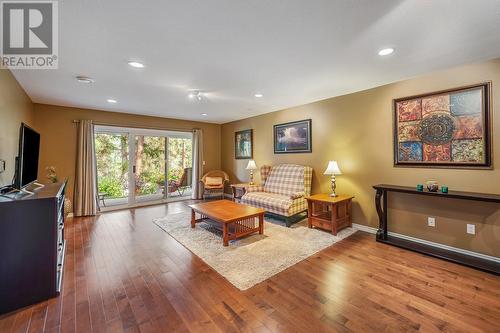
(243, 144)
(293, 137)
(448, 129)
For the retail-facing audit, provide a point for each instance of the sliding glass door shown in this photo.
(112, 164)
(137, 166)
(180, 166)
(149, 168)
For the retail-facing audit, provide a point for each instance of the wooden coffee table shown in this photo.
(237, 220)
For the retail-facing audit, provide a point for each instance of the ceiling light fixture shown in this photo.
(136, 64)
(204, 114)
(386, 51)
(259, 95)
(85, 79)
(112, 101)
(196, 94)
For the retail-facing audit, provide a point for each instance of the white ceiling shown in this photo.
(293, 51)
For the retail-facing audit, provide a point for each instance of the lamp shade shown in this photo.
(332, 168)
(251, 165)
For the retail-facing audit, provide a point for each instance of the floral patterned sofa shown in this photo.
(282, 192)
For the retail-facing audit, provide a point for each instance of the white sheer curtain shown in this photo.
(85, 196)
(197, 163)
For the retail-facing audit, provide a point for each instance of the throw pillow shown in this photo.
(213, 181)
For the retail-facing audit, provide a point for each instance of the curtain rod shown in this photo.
(75, 121)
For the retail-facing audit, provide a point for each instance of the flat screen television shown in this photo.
(27, 159)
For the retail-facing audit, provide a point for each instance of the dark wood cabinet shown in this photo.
(32, 247)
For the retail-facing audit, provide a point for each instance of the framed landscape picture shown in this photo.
(444, 129)
(243, 144)
(293, 137)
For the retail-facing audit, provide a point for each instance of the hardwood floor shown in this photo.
(124, 274)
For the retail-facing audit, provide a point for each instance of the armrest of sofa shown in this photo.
(297, 195)
(255, 188)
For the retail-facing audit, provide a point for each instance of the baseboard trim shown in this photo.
(365, 228)
(372, 230)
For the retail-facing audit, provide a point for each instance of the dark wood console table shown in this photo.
(464, 259)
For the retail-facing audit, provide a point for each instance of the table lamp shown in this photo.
(332, 169)
(251, 166)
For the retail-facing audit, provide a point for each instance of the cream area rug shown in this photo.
(252, 259)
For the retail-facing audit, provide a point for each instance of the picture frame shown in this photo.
(243, 144)
(444, 129)
(293, 137)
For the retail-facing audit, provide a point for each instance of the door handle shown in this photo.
(133, 169)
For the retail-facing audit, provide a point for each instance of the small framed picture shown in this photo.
(243, 144)
(293, 137)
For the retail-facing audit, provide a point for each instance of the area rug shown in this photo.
(252, 259)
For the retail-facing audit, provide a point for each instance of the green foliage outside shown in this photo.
(111, 186)
(113, 163)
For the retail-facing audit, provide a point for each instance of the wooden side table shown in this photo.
(239, 190)
(329, 213)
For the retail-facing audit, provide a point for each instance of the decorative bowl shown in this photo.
(432, 185)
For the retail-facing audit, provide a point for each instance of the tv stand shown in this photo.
(32, 246)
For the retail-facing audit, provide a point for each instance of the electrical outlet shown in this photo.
(431, 221)
(471, 229)
(2, 166)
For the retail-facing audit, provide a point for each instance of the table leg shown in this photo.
(261, 224)
(225, 236)
(381, 200)
(310, 208)
(193, 218)
(334, 220)
(349, 211)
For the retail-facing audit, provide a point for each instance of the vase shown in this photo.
(68, 207)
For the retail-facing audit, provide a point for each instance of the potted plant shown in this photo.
(52, 177)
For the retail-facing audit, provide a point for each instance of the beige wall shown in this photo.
(15, 107)
(58, 136)
(356, 130)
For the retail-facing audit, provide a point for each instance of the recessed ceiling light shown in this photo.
(112, 101)
(85, 79)
(136, 64)
(259, 95)
(204, 114)
(386, 51)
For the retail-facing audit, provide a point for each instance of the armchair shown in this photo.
(214, 182)
(283, 191)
